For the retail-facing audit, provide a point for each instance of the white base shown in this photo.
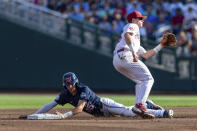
(43, 117)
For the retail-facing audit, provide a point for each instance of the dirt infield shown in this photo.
(185, 118)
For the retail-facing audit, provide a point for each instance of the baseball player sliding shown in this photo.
(126, 60)
(84, 99)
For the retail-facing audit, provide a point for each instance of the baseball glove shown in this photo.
(168, 39)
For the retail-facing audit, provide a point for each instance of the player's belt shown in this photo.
(122, 49)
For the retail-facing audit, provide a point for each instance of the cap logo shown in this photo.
(68, 79)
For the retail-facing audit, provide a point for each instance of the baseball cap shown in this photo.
(69, 79)
(135, 14)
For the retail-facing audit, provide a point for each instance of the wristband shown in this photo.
(131, 47)
(68, 114)
(157, 48)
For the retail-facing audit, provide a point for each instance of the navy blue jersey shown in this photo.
(93, 103)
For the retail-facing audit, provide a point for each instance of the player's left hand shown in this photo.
(168, 39)
(60, 114)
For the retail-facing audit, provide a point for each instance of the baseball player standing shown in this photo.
(126, 60)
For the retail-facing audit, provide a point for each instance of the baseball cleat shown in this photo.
(140, 110)
(22, 117)
(147, 115)
(151, 105)
(168, 114)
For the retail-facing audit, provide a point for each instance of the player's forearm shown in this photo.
(152, 52)
(46, 107)
(148, 54)
(128, 39)
(77, 110)
(70, 113)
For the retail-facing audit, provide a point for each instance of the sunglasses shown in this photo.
(140, 18)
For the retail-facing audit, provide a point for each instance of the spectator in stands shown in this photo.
(194, 41)
(168, 17)
(184, 45)
(67, 11)
(52, 5)
(62, 5)
(76, 14)
(40, 2)
(151, 21)
(190, 17)
(93, 18)
(166, 4)
(133, 5)
(161, 27)
(162, 15)
(177, 21)
(121, 9)
(101, 13)
(189, 4)
(176, 4)
(76, 5)
(86, 16)
(152, 15)
(104, 24)
(157, 4)
(118, 24)
(86, 5)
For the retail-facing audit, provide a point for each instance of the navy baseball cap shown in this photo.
(69, 79)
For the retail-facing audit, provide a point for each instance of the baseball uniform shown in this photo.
(95, 105)
(135, 71)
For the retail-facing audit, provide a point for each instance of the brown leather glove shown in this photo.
(168, 39)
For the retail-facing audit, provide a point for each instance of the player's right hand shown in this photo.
(135, 57)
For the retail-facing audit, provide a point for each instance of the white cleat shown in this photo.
(168, 114)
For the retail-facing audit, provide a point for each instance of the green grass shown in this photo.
(163, 100)
(31, 101)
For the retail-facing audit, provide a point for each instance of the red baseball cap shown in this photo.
(135, 14)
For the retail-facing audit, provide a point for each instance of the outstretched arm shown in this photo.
(38, 114)
(58, 115)
(46, 107)
(168, 39)
(152, 52)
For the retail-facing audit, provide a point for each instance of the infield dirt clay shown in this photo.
(185, 119)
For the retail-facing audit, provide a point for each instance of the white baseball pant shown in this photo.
(135, 71)
(110, 108)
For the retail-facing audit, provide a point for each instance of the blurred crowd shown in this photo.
(177, 16)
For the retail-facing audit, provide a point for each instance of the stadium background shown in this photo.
(41, 43)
